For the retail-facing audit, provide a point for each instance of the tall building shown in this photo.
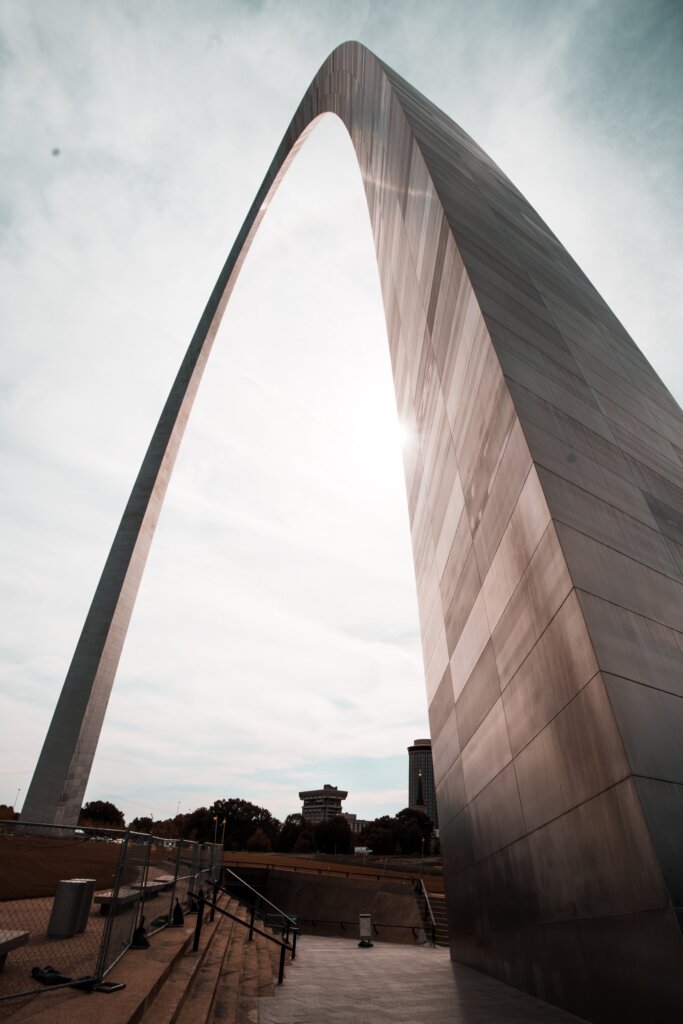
(320, 804)
(421, 779)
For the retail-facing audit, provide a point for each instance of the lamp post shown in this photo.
(16, 800)
(215, 829)
(223, 833)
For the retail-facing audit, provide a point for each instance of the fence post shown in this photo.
(214, 900)
(198, 926)
(145, 875)
(179, 846)
(109, 923)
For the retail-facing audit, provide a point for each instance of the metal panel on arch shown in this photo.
(545, 499)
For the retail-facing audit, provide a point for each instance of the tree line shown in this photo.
(242, 825)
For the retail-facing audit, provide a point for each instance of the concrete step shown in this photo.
(227, 993)
(438, 904)
(222, 982)
(267, 977)
(249, 973)
(188, 988)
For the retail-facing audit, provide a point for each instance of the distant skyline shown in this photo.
(134, 138)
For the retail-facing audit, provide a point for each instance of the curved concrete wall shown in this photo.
(545, 503)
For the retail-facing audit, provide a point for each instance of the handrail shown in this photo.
(202, 902)
(376, 925)
(226, 870)
(429, 908)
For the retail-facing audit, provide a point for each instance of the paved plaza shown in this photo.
(335, 982)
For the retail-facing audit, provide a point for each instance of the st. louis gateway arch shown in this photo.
(546, 510)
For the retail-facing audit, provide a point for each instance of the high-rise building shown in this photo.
(320, 804)
(421, 793)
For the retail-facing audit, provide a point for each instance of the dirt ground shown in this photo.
(31, 866)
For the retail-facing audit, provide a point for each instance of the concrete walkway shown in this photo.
(332, 981)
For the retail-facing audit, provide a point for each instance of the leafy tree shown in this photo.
(242, 819)
(289, 833)
(168, 828)
(259, 842)
(401, 834)
(415, 826)
(143, 824)
(333, 835)
(7, 813)
(380, 835)
(305, 842)
(101, 814)
(198, 825)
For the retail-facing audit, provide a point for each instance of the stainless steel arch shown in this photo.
(545, 505)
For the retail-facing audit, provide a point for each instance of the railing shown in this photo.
(203, 902)
(376, 925)
(254, 905)
(428, 906)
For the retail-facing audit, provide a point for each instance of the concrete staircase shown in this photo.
(438, 904)
(222, 982)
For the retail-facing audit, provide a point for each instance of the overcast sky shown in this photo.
(275, 642)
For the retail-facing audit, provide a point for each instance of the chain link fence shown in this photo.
(71, 900)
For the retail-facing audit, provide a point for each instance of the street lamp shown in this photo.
(215, 829)
(223, 834)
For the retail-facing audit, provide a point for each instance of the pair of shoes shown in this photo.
(49, 976)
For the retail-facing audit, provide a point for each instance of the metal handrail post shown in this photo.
(198, 925)
(214, 900)
(251, 924)
(281, 972)
(294, 935)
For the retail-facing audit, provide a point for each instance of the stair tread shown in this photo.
(171, 997)
(199, 996)
(223, 982)
(265, 980)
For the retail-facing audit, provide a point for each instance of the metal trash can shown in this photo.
(71, 907)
